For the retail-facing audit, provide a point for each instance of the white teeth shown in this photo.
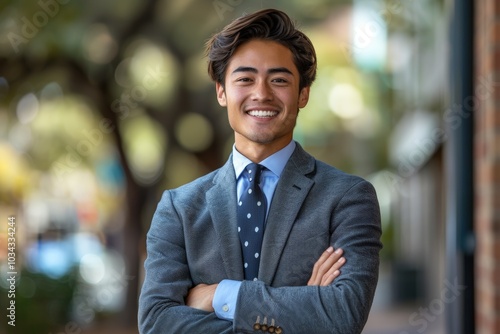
(262, 113)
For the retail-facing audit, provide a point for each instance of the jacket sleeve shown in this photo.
(344, 305)
(167, 281)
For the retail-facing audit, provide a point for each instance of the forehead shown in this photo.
(262, 55)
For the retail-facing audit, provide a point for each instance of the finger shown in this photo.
(324, 263)
(329, 262)
(336, 266)
(333, 272)
(327, 280)
(315, 278)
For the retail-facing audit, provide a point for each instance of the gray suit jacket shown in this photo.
(193, 239)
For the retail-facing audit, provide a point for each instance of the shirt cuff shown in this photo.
(224, 302)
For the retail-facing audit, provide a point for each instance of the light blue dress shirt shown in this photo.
(224, 302)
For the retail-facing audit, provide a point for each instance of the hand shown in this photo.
(326, 269)
(201, 297)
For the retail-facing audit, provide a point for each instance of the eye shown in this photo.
(280, 80)
(243, 79)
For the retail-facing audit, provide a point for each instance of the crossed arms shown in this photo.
(325, 270)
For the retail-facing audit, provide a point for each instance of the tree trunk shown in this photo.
(135, 202)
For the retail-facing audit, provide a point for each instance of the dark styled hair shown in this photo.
(266, 24)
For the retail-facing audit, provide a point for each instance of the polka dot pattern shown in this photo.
(251, 216)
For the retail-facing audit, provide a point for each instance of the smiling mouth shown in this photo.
(262, 113)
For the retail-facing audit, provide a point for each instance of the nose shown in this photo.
(262, 91)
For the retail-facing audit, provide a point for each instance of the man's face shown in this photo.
(262, 95)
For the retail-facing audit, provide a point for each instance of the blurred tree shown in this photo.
(104, 54)
(130, 75)
(43, 300)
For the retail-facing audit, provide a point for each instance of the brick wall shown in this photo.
(487, 165)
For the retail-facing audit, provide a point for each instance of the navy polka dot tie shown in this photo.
(252, 209)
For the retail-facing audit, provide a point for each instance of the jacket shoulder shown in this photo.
(338, 180)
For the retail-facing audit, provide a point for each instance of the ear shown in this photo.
(304, 97)
(221, 94)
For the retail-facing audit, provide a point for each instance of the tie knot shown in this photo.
(254, 170)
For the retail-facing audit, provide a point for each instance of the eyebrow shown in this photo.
(269, 71)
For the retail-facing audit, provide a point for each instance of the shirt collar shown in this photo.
(275, 162)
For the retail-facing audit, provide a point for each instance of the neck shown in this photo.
(257, 152)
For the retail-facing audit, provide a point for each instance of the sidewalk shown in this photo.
(397, 321)
(389, 318)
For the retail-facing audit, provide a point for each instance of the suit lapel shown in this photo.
(221, 199)
(288, 198)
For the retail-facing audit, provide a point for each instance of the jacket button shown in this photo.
(278, 330)
(256, 326)
(271, 329)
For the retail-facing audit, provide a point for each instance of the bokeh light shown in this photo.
(194, 132)
(99, 45)
(145, 144)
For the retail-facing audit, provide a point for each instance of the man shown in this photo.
(248, 248)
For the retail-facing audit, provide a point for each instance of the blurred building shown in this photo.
(487, 165)
(448, 203)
